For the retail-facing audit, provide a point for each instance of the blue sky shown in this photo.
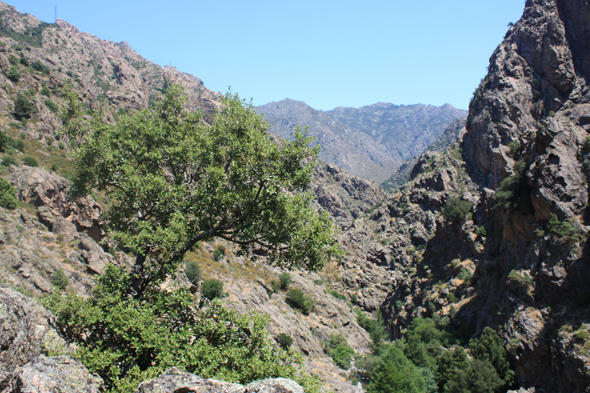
(327, 53)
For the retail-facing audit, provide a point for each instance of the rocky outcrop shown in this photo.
(55, 374)
(49, 193)
(175, 380)
(25, 332)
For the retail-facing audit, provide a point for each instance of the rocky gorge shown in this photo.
(516, 261)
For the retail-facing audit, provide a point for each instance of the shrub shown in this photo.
(481, 232)
(23, 60)
(451, 298)
(513, 146)
(563, 229)
(52, 106)
(284, 341)
(45, 91)
(456, 210)
(285, 280)
(514, 191)
(60, 280)
(7, 194)
(489, 348)
(587, 143)
(23, 108)
(30, 161)
(296, 298)
(193, 272)
(37, 65)
(212, 289)
(275, 285)
(13, 74)
(61, 146)
(337, 295)
(219, 253)
(338, 349)
(8, 161)
(69, 73)
(127, 340)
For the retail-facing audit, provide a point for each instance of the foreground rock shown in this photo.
(175, 380)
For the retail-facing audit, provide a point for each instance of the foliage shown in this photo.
(514, 191)
(376, 329)
(212, 289)
(456, 210)
(37, 65)
(481, 232)
(127, 340)
(8, 161)
(513, 146)
(60, 280)
(285, 280)
(284, 341)
(396, 373)
(13, 74)
(7, 194)
(51, 105)
(23, 108)
(219, 252)
(23, 60)
(174, 181)
(193, 272)
(337, 295)
(45, 91)
(563, 229)
(489, 348)
(30, 161)
(296, 298)
(338, 349)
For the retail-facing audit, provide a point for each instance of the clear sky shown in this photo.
(327, 53)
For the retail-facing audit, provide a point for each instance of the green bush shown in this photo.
(60, 280)
(69, 73)
(23, 108)
(275, 285)
(338, 349)
(514, 191)
(45, 91)
(13, 74)
(451, 298)
(285, 281)
(296, 298)
(23, 60)
(37, 65)
(212, 289)
(489, 348)
(7, 194)
(513, 146)
(395, 373)
(127, 340)
(481, 232)
(337, 295)
(52, 106)
(563, 229)
(8, 161)
(61, 145)
(284, 341)
(219, 253)
(455, 210)
(30, 161)
(193, 272)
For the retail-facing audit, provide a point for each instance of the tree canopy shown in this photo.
(173, 180)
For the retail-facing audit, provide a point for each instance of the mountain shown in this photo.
(370, 142)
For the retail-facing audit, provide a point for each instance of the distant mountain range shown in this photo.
(370, 142)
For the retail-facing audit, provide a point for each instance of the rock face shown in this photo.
(25, 332)
(370, 142)
(175, 380)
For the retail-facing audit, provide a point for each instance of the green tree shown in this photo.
(338, 349)
(394, 373)
(212, 289)
(126, 340)
(456, 210)
(13, 74)
(7, 194)
(296, 298)
(174, 181)
(489, 348)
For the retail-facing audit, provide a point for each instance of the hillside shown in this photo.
(370, 142)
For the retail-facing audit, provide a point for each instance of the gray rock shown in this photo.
(55, 374)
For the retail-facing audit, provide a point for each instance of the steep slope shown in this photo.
(369, 142)
(517, 261)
